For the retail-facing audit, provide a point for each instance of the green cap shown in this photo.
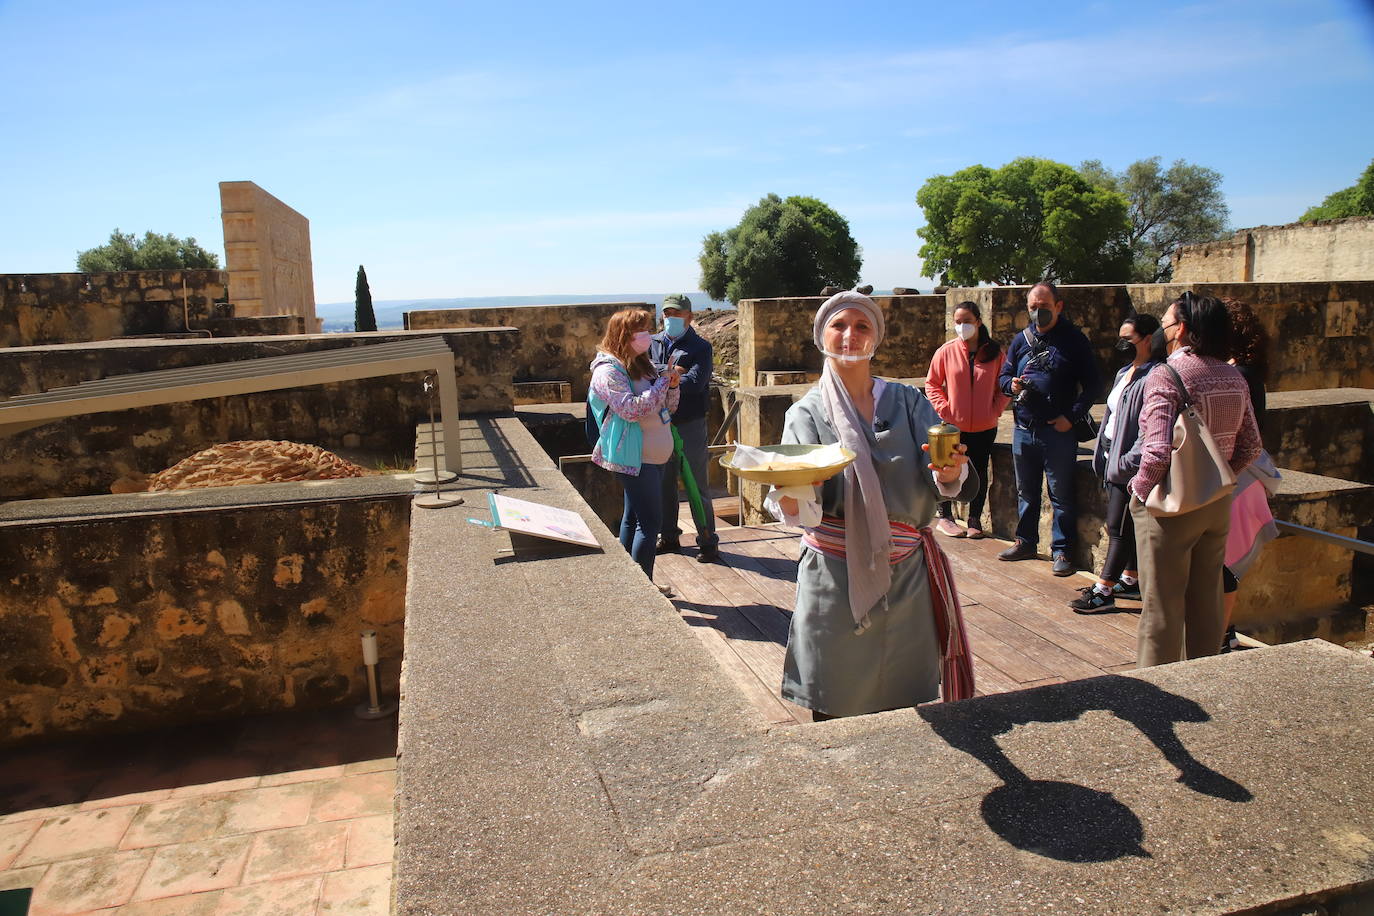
(677, 301)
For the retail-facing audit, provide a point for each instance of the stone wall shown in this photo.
(87, 454)
(267, 254)
(1319, 332)
(776, 334)
(557, 342)
(37, 309)
(1340, 249)
(148, 620)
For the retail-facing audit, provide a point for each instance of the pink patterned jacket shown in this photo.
(1222, 398)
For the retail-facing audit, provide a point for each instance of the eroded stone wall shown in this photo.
(1329, 250)
(1319, 332)
(149, 620)
(557, 342)
(39, 309)
(776, 334)
(87, 454)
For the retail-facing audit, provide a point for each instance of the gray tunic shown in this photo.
(895, 662)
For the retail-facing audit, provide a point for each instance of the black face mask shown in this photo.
(1124, 345)
(1043, 317)
(1158, 342)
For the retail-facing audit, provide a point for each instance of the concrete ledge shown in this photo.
(568, 746)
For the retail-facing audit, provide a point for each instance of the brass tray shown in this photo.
(789, 478)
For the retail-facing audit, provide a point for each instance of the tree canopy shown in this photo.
(791, 247)
(1030, 220)
(1356, 200)
(152, 252)
(1181, 205)
(364, 318)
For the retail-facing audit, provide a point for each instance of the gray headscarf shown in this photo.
(868, 537)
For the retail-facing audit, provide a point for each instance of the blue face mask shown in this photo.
(674, 326)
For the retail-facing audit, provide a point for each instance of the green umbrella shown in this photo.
(689, 482)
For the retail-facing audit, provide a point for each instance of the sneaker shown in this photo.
(950, 528)
(976, 534)
(1092, 601)
(709, 554)
(1063, 566)
(1129, 592)
(665, 545)
(1019, 551)
(666, 591)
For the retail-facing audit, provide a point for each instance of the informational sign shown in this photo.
(540, 520)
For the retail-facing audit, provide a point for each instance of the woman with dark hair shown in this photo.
(962, 386)
(1116, 458)
(1181, 556)
(633, 407)
(1252, 524)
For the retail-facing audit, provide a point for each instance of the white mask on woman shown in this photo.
(966, 329)
(640, 342)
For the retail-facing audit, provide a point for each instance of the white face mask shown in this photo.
(966, 330)
(848, 358)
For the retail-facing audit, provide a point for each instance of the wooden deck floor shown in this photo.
(1021, 629)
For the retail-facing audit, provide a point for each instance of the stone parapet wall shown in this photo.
(87, 454)
(1319, 332)
(145, 620)
(776, 334)
(1340, 249)
(557, 342)
(38, 309)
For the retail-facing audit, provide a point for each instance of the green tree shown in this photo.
(152, 252)
(364, 318)
(1356, 200)
(1181, 205)
(1032, 219)
(791, 247)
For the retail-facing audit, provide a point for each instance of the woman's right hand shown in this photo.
(674, 376)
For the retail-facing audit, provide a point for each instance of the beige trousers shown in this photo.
(1180, 575)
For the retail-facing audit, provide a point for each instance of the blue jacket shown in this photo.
(1066, 376)
(694, 356)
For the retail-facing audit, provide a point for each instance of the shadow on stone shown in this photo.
(1063, 820)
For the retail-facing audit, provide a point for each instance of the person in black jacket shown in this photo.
(1052, 377)
(679, 344)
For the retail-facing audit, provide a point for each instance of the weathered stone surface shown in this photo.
(267, 254)
(557, 342)
(1340, 249)
(644, 785)
(38, 309)
(88, 454)
(137, 620)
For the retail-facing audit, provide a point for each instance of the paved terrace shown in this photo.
(267, 816)
(569, 745)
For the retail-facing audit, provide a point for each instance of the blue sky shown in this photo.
(464, 149)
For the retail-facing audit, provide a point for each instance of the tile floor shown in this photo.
(262, 816)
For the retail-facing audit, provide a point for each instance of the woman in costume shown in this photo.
(877, 618)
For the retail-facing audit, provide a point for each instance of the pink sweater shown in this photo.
(972, 405)
(1222, 398)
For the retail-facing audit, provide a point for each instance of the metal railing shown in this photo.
(1340, 540)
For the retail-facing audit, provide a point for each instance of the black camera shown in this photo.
(1039, 359)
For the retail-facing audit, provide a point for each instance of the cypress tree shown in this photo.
(364, 319)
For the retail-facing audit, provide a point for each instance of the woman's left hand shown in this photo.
(951, 473)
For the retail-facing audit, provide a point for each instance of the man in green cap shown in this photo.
(679, 344)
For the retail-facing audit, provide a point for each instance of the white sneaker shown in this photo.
(950, 528)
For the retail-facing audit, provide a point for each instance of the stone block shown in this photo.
(543, 392)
